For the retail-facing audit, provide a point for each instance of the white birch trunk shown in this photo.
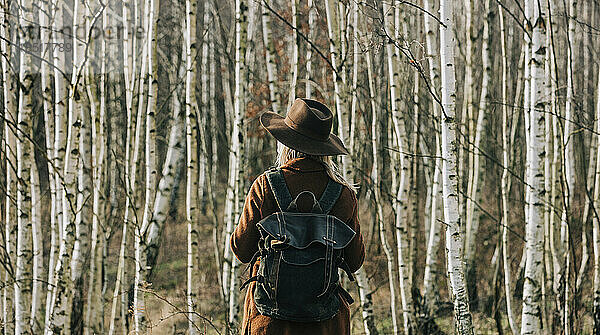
(9, 216)
(232, 206)
(141, 242)
(294, 60)
(129, 165)
(191, 131)
(434, 235)
(569, 162)
(366, 299)
(23, 274)
(531, 313)
(434, 231)
(401, 200)
(333, 31)
(35, 323)
(94, 315)
(548, 208)
(60, 321)
(37, 303)
(556, 186)
(58, 138)
(505, 182)
(467, 125)
(311, 32)
(454, 240)
(389, 255)
(270, 58)
(596, 221)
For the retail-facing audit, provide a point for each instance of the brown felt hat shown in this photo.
(305, 128)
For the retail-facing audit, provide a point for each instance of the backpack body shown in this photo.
(300, 254)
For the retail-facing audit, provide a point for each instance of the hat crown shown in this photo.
(310, 118)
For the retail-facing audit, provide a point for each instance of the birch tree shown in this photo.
(454, 240)
(9, 90)
(434, 235)
(531, 313)
(37, 303)
(596, 221)
(141, 242)
(504, 183)
(232, 206)
(401, 190)
(270, 57)
(191, 132)
(23, 274)
(309, 51)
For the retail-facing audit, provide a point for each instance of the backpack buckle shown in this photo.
(280, 244)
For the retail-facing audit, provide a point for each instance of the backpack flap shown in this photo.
(299, 230)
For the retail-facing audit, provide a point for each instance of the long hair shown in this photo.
(284, 154)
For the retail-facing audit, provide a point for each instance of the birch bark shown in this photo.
(531, 313)
(270, 58)
(294, 61)
(596, 221)
(130, 165)
(141, 242)
(333, 31)
(10, 90)
(364, 290)
(191, 131)
(235, 160)
(454, 240)
(434, 231)
(389, 255)
(58, 138)
(23, 274)
(569, 163)
(37, 304)
(401, 198)
(94, 316)
(309, 61)
(505, 180)
(60, 321)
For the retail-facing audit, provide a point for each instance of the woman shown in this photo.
(304, 157)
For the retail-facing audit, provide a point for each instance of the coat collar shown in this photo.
(303, 164)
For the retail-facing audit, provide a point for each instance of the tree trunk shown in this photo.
(531, 315)
(236, 160)
(10, 90)
(142, 243)
(191, 132)
(25, 156)
(505, 182)
(294, 60)
(596, 221)
(309, 62)
(401, 199)
(389, 255)
(270, 55)
(454, 239)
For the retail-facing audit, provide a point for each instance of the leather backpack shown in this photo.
(300, 254)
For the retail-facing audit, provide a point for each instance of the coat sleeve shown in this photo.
(244, 240)
(354, 253)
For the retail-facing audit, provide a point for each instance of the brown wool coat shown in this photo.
(300, 174)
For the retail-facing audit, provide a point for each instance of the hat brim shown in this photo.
(275, 125)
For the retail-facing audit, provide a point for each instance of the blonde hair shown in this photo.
(284, 154)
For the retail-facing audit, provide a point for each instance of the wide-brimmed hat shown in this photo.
(306, 128)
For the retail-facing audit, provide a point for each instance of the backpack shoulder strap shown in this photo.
(330, 196)
(279, 188)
